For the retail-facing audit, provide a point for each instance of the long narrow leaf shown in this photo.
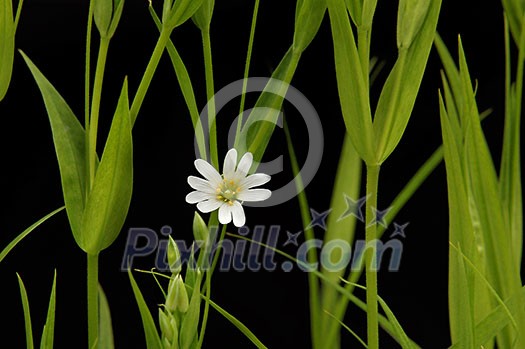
(48, 335)
(27, 314)
(69, 140)
(108, 202)
(150, 330)
(105, 333)
(26, 232)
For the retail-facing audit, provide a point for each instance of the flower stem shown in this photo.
(372, 179)
(95, 106)
(148, 74)
(92, 298)
(209, 274)
(210, 95)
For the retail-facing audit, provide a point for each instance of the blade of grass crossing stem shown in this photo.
(69, 139)
(150, 330)
(510, 167)
(405, 342)
(479, 274)
(105, 332)
(27, 313)
(48, 335)
(394, 108)
(341, 225)
(348, 329)
(383, 321)
(26, 232)
(497, 320)
(240, 326)
(353, 91)
(315, 315)
(186, 87)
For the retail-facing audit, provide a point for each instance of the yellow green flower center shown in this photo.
(227, 191)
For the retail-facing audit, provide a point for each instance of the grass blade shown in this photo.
(105, 333)
(26, 232)
(150, 330)
(27, 314)
(47, 340)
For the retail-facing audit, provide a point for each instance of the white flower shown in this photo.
(229, 191)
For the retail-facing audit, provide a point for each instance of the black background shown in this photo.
(274, 305)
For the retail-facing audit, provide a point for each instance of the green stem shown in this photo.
(95, 107)
(372, 179)
(247, 68)
(92, 299)
(148, 74)
(209, 274)
(87, 78)
(314, 297)
(210, 95)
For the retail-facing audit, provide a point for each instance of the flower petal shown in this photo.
(254, 195)
(201, 185)
(254, 180)
(209, 205)
(208, 172)
(225, 214)
(230, 160)
(244, 165)
(238, 214)
(197, 196)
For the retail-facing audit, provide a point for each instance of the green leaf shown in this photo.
(260, 124)
(108, 201)
(353, 92)
(26, 232)
(27, 313)
(150, 331)
(347, 187)
(105, 333)
(510, 187)
(410, 17)
(186, 87)
(498, 319)
(401, 87)
(514, 10)
(47, 340)
(7, 45)
(308, 17)
(460, 234)
(69, 139)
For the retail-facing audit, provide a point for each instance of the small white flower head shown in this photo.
(229, 191)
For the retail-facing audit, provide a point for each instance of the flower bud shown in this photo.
(177, 298)
(174, 259)
(107, 14)
(200, 229)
